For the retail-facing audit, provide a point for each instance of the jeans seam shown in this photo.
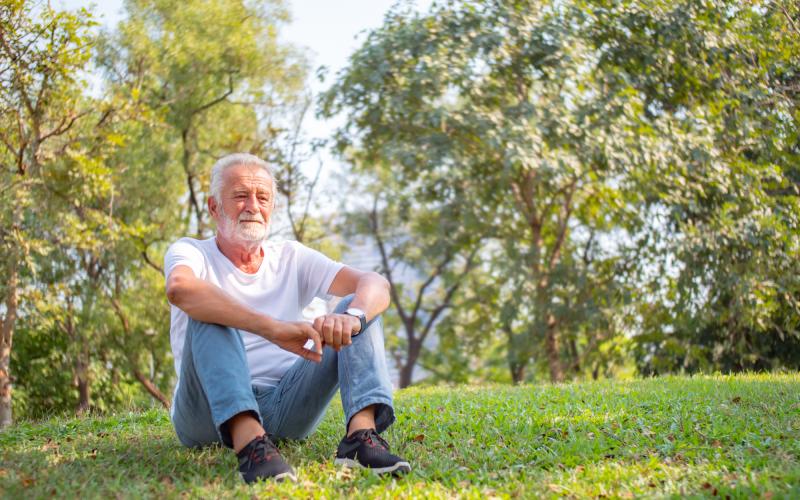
(346, 372)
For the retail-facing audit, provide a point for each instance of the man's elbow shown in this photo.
(384, 283)
(176, 289)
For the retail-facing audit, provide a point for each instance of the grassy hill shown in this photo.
(736, 436)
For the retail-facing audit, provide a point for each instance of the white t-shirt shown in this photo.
(289, 278)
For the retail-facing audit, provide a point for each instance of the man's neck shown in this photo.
(245, 255)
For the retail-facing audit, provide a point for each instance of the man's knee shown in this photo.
(212, 336)
(343, 304)
(194, 326)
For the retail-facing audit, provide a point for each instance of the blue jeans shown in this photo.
(215, 385)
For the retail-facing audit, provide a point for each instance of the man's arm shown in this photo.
(208, 303)
(371, 290)
(371, 296)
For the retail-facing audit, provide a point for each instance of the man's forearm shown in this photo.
(371, 295)
(208, 303)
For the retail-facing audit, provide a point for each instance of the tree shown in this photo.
(430, 243)
(718, 157)
(501, 106)
(42, 54)
(214, 71)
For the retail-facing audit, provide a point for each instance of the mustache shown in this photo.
(251, 218)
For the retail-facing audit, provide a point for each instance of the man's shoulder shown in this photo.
(187, 246)
(189, 252)
(201, 244)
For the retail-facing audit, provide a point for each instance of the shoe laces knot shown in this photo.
(263, 450)
(373, 439)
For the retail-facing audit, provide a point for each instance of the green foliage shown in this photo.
(43, 114)
(670, 437)
(98, 194)
(214, 76)
(570, 186)
(718, 155)
(496, 111)
(633, 163)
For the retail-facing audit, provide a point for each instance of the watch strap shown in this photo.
(362, 318)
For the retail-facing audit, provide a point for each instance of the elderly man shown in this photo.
(248, 366)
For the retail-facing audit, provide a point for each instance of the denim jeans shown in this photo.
(215, 385)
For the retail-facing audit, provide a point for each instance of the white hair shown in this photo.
(232, 160)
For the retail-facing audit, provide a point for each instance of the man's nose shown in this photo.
(251, 204)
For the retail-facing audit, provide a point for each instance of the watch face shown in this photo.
(354, 311)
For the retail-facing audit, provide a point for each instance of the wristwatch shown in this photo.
(362, 317)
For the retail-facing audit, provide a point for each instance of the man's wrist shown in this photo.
(360, 315)
(267, 327)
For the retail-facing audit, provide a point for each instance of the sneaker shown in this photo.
(365, 448)
(260, 460)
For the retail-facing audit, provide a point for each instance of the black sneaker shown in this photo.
(365, 448)
(260, 460)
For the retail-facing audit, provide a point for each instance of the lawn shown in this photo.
(724, 436)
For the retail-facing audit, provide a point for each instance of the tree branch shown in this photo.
(150, 262)
(449, 295)
(373, 217)
(218, 99)
(563, 227)
(146, 382)
(791, 21)
(61, 128)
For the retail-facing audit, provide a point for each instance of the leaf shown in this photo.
(418, 438)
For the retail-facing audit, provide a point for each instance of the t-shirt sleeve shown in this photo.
(315, 273)
(184, 253)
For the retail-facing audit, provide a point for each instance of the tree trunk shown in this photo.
(576, 358)
(407, 370)
(6, 336)
(517, 373)
(516, 356)
(5, 388)
(82, 381)
(552, 350)
(7, 329)
(83, 394)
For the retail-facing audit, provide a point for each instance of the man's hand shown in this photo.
(293, 336)
(336, 330)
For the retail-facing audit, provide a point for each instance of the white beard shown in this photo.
(244, 231)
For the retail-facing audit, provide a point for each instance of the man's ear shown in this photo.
(213, 207)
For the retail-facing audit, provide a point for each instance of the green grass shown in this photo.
(736, 436)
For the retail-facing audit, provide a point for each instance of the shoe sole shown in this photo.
(277, 478)
(396, 469)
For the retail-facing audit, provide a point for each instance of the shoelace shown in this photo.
(370, 434)
(263, 450)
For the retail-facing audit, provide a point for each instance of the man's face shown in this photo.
(246, 204)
